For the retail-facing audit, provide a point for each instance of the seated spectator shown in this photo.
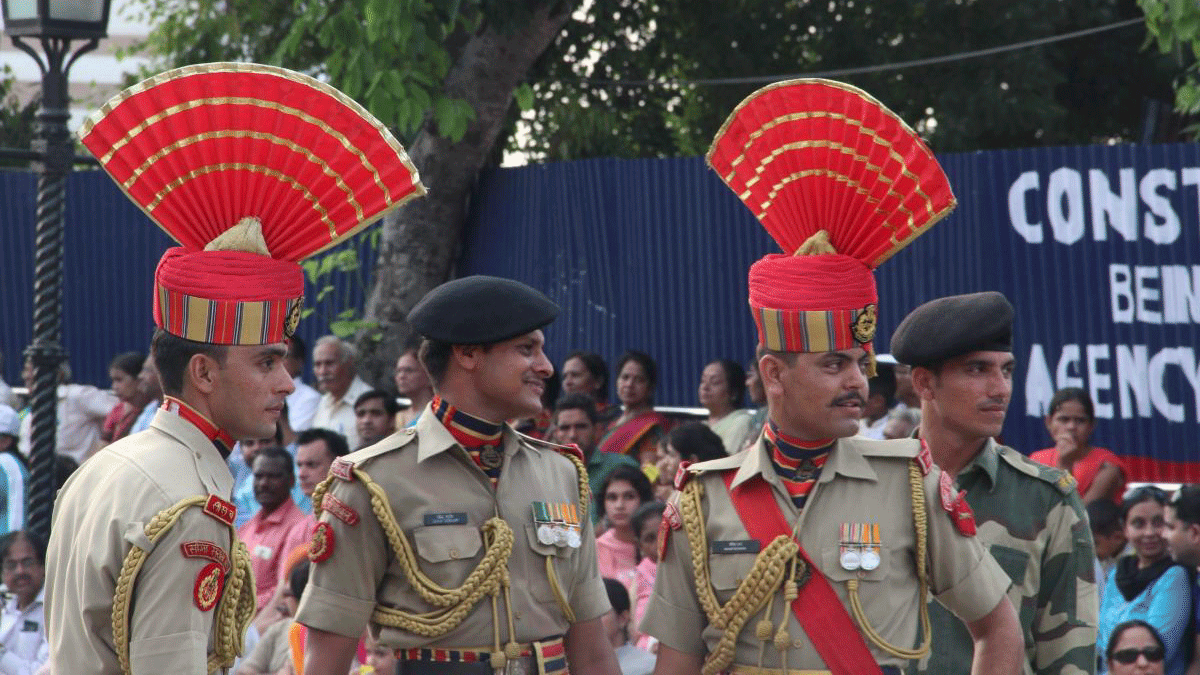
(616, 550)
(646, 521)
(267, 531)
(23, 644)
(692, 442)
(576, 424)
(1135, 648)
(637, 430)
(901, 423)
(412, 382)
(722, 387)
(151, 390)
(302, 402)
(881, 396)
(1108, 533)
(587, 373)
(273, 652)
(633, 661)
(1099, 473)
(375, 416)
(82, 409)
(758, 399)
(124, 371)
(1148, 585)
(14, 473)
(337, 377)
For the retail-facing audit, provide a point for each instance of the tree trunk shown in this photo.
(420, 241)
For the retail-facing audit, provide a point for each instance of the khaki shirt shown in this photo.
(429, 480)
(100, 512)
(1032, 521)
(863, 481)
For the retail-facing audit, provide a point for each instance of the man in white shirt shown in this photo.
(81, 412)
(333, 366)
(302, 403)
(23, 645)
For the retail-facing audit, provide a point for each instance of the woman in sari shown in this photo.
(637, 430)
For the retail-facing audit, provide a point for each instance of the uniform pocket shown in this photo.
(726, 572)
(537, 579)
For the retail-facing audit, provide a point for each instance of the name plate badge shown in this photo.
(735, 546)
(457, 518)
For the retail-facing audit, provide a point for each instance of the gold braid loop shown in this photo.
(318, 496)
(921, 526)
(454, 604)
(234, 612)
(756, 590)
(585, 488)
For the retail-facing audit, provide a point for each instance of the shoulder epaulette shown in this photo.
(1063, 481)
(572, 449)
(902, 448)
(343, 467)
(684, 474)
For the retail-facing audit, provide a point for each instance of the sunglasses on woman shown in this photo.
(1128, 656)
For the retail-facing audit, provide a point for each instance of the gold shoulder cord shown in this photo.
(234, 611)
(585, 499)
(779, 559)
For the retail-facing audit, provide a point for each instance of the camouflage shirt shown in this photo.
(1032, 520)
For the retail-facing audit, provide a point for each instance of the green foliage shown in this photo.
(391, 56)
(16, 120)
(1174, 25)
(336, 304)
(589, 102)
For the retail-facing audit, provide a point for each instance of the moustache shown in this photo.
(850, 398)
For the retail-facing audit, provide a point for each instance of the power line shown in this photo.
(960, 56)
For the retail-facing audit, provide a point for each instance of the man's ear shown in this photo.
(923, 380)
(770, 372)
(466, 356)
(201, 373)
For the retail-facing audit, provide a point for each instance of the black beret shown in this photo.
(479, 310)
(947, 327)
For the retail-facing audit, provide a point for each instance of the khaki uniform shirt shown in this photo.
(440, 499)
(100, 512)
(863, 481)
(1033, 522)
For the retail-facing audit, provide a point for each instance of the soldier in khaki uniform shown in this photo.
(466, 546)
(811, 552)
(1029, 515)
(144, 571)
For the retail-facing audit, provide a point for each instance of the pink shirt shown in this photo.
(298, 537)
(265, 536)
(645, 572)
(616, 559)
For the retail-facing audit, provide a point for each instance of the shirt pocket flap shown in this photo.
(831, 565)
(726, 571)
(441, 543)
(1013, 561)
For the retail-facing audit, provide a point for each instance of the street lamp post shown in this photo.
(55, 23)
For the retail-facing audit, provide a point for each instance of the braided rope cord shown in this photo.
(755, 592)
(234, 612)
(921, 527)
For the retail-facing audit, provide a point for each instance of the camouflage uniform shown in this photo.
(1032, 520)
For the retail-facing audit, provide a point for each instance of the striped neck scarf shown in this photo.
(798, 463)
(483, 440)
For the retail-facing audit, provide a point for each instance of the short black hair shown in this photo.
(595, 365)
(618, 595)
(1072, 394)
(1145, 493)
(299, 347)
(35, 542)
(129, 363)
(298, 579)
(276, 453)
(631, 475)
(390, 406)
(643, 513)
(435, 357)
(1186, 502)
(336, 443)
(1104, 516)
(695, 441)
(1120, 629)
(172, 354)
(883, 384)
(577, 402)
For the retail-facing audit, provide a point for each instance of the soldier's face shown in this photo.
(1183, 538)
(248, 390)
(818, 395)
(969, 395)
(509, 377)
